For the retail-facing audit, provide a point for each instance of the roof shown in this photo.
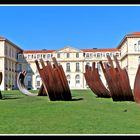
(84, 50)
(133, 34)
(38, 51)
(100, 50)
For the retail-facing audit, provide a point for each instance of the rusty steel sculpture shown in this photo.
(54, 80)
(117, 80)
(94, 82)
(20, 83)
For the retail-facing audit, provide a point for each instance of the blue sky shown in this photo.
(54, 27)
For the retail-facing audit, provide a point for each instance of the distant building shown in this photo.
(8, 63)
(13, 60)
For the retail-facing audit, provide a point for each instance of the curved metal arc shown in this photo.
(21, 86)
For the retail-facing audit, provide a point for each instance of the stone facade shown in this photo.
(73, 61)
(8, 63)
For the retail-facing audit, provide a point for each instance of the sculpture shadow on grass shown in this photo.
(77, 99)
(9, 97)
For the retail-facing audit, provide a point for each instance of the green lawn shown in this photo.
(85, 114)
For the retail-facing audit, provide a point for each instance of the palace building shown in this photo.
(14, 59)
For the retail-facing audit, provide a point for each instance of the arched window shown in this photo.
(139, 60)
(68, 78)
(77, 76)
(77, 80)
(38, 80)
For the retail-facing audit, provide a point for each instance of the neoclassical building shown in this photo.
(14, 59)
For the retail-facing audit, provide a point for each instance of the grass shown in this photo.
(85, 114)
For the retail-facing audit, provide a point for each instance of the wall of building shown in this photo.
(8, 62)
(132, 68)
(133, 44)
(124, 48)
(130, 54)
(2, 48)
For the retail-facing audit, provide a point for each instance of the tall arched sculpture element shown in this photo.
(54, 80)
(117, 80)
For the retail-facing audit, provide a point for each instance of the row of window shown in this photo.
(68, 67)
(100, 55)
(34, 56)
(91, 55)
(38, 80)
(48, 56)
(67, 55)
(78, 66)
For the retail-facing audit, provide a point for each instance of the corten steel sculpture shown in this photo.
(94, 82)
(137, 86)
(22, 88)
(117, 80)
(54, 80)
(0, 84)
